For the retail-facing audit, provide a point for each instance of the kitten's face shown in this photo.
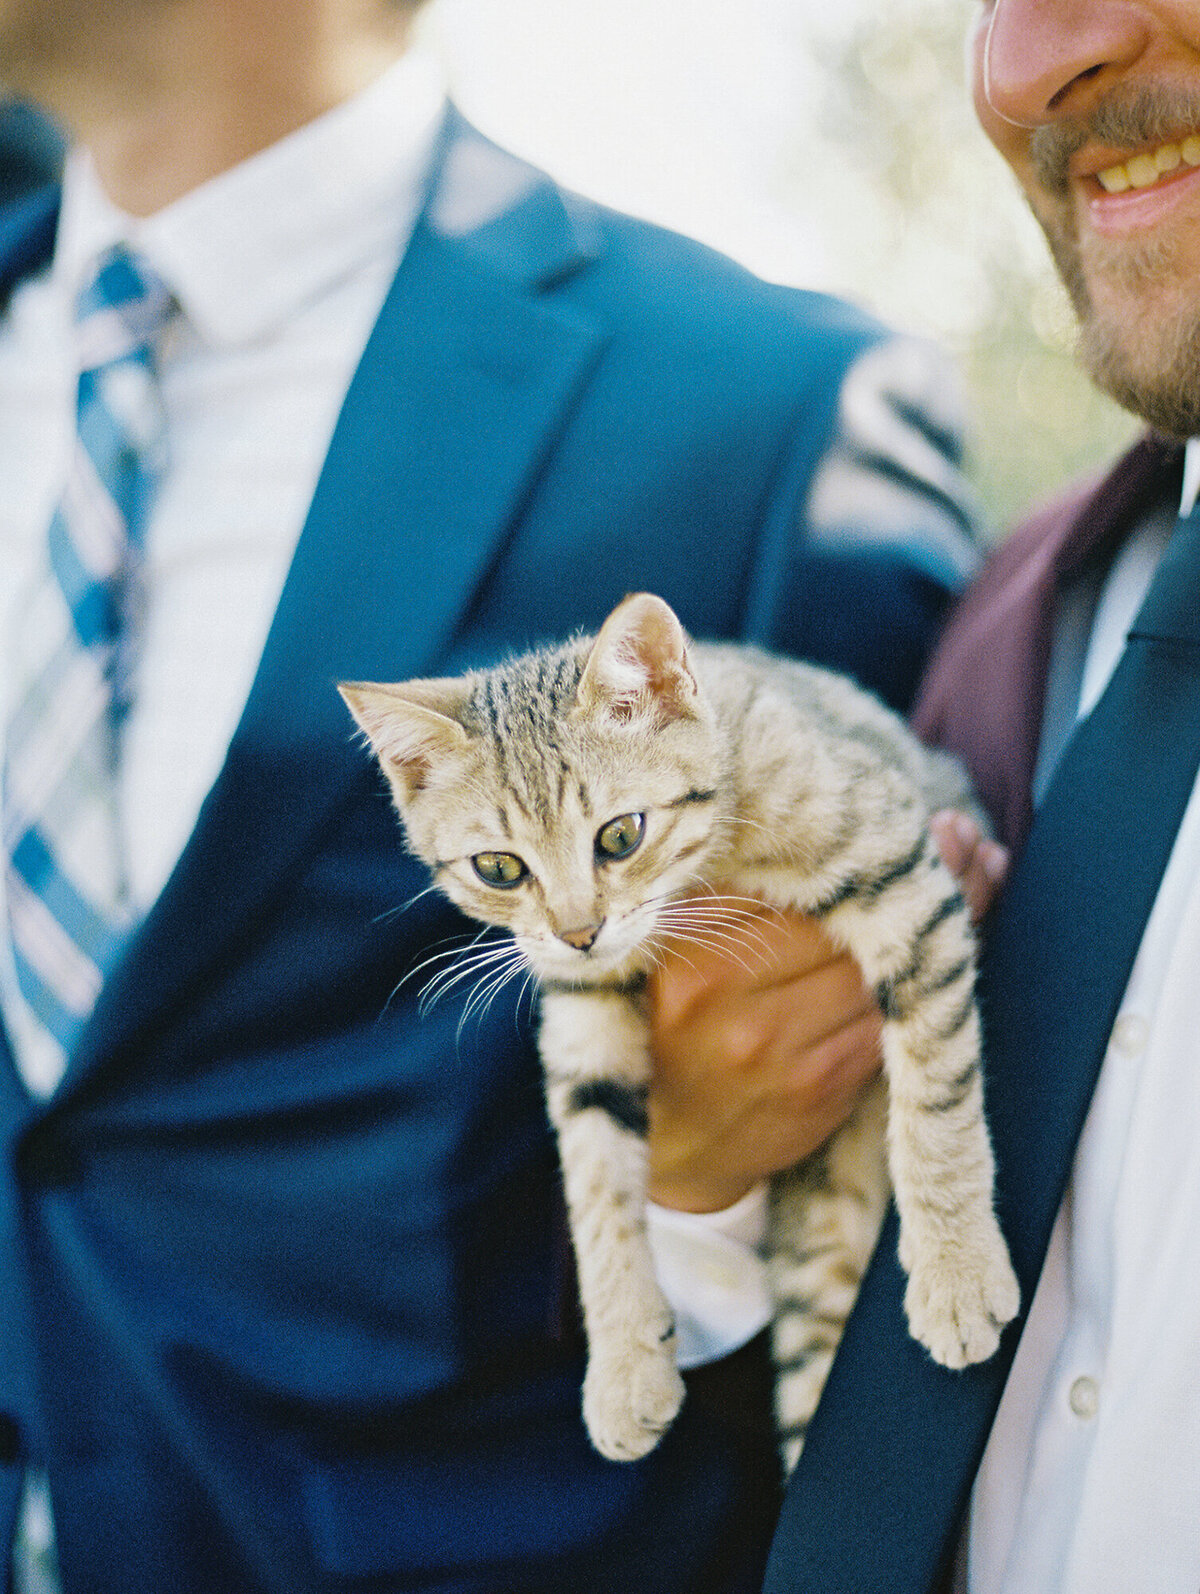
(561, 797)
(576, 848)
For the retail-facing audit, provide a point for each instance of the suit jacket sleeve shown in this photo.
(888, 522)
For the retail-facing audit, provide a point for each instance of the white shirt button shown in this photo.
(1084, 1397)
(1130, 1034)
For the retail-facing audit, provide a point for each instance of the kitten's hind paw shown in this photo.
(959, 1299)
(630, 1399)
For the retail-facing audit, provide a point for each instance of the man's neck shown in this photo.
(163, 109)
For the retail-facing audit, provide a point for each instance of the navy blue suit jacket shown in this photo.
(279, 1257)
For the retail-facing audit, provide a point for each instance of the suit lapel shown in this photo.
(457, 399)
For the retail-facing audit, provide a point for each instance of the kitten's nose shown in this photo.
(582, 938)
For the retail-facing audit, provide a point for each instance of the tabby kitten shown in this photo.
(591, 799)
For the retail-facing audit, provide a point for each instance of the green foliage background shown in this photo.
(946, 242)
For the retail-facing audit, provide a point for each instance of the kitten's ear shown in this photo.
(409, 726)
(639, 664)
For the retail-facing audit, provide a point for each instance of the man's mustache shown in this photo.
(1129, 117)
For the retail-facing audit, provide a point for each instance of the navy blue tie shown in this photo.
(877, 1502)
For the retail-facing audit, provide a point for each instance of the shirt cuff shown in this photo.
(710, 1269)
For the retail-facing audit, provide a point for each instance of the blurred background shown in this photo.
(826, 143)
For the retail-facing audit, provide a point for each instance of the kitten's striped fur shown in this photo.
(750, 776)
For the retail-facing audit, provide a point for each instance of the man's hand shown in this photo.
(978, 863)
(759, 1058)
(762, 1051)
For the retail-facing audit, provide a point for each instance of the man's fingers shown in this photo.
(977, 863)
(836, 1068)
(810, 1012)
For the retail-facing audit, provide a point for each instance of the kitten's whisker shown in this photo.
(478, 968)
(658, 953)
(746, 910)
(452, 946)
(461, 957)
(722, 949)
(717, 935)
(482, 962)
(743, 923)
(486, 992)
(473, 953)
(448, 954)
(728, 943)
(711, 915)
(529, 980)
(497, 986)
(714, 902)
(402, 907)
(739, 930)
(479, 990)
(434, 957)
(753, 907)
(738, 923)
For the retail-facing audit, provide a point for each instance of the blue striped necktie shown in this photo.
(66, 883)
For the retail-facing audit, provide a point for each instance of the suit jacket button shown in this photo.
(44, 1159)
(10, 1440)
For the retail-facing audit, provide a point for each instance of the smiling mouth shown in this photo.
(1150, 167)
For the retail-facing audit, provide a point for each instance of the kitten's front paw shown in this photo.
(630, 1399)
(959, 1299)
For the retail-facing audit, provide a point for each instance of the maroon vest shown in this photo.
(984, 691)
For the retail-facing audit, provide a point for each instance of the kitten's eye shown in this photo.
(620, 837)
(503, 869)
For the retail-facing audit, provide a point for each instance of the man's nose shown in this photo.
(1036, 60)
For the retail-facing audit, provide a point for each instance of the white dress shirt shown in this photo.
(280, 267)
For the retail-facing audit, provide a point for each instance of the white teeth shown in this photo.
(1141, 171)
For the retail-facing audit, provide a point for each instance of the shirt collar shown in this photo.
(246, 250)
(1191, 477)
